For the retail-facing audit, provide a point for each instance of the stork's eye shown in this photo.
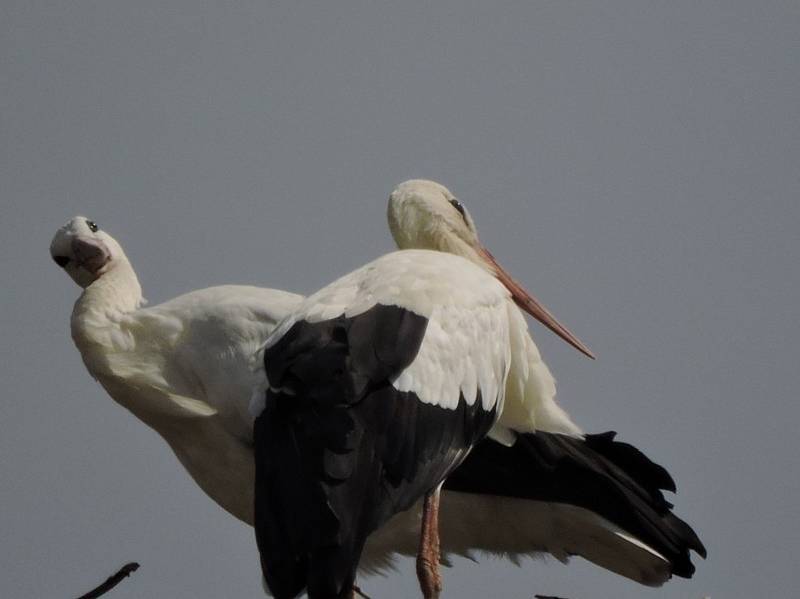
(92, 226)
(457, 205)
(62, 261)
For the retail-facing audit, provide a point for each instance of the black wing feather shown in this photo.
(339, 450)
(612, 479)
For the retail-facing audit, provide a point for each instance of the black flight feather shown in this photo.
(339, 450)
(611, 479)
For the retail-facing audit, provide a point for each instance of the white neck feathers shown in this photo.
(101, 307)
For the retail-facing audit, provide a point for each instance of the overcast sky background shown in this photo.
(635, 164)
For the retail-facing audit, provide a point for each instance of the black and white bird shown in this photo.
(377, 388)
(186, 369)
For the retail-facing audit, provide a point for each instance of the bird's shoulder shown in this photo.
(222, 315)
(421, 281)
(234, 305)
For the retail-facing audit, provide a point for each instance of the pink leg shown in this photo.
(430, 581)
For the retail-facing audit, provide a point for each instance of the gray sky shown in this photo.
(635, 164)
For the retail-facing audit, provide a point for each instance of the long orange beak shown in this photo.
(531, 305)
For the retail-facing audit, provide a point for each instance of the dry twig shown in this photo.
(112, 581)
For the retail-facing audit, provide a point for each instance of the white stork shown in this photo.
(185, 368)
(379, 385)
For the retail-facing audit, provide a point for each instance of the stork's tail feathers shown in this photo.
(616, 489)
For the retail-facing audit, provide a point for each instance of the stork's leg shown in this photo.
(430, 581)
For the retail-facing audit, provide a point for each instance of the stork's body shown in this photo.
(379, 386)
(415, 331)
(184, 368)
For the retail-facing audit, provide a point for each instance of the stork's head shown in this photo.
(84, 251)
(425, 215)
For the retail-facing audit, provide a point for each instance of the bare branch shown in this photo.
(112, 581)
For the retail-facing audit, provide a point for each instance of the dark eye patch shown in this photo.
(457, 205)
(92, 226)
(62, 261)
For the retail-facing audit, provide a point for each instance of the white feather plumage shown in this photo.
(457, 356)
(187, 369)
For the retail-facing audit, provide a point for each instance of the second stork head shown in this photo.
(426, 215)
